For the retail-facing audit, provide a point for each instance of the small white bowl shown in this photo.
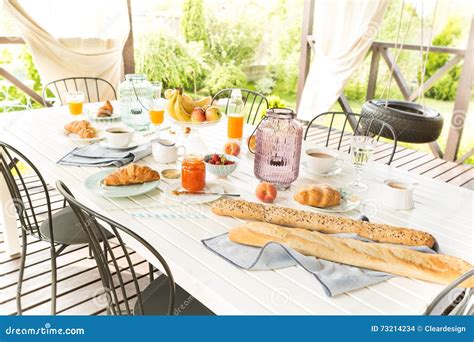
(221, 171)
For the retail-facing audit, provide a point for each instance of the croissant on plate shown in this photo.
(83, 128)
(105, 110)
(318, 195)
(132, 174)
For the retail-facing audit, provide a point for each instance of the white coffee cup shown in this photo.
(397, 194)
(321, 159)
(165, 151)
(119, 136)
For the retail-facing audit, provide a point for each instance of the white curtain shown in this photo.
(344, 31)
(74, 38)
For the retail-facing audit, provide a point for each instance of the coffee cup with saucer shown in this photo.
(322, 161)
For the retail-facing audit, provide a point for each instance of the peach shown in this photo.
(232, 148)
(198, 115)
(266, 192)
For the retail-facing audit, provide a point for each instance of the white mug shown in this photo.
(119, 136)
(165, 151)
(321, 159)
(398, 194)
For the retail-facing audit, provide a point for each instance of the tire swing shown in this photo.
(413, 122)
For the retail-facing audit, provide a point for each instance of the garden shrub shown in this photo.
(170, 60)
(445, 88)
(225, 76)
(193, 23)
(265, 85)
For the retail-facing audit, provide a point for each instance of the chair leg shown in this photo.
(21, 272)
(54, 280)
(151, 270)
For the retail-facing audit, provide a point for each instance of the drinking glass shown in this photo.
(75, 101)
(156, 88)
(362, 150)
(157, 114)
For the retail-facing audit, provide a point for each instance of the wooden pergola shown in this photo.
(378, 49)
(382, 49)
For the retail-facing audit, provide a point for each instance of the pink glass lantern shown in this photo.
(278, 148)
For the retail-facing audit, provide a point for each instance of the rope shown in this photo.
(424, 61)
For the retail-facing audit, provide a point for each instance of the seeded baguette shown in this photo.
(323, 223)
(438, 268)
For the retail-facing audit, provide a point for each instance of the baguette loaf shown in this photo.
(323, 223)
(397, 260)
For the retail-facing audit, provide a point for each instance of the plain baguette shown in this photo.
(396, 260)
(323, 223)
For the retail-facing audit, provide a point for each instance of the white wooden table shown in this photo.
(441, 209)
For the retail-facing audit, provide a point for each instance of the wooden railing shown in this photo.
(382, 49)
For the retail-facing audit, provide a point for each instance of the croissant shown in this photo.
(105, 110)
(76, 126)
(132, 174)
(318, 195)
(86, 133)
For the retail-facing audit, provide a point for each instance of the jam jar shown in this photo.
(193, 173)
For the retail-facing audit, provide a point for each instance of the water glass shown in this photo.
(362, 150)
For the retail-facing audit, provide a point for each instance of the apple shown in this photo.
(198, 115)
(213, 113)
(266, 192)
(232, 148)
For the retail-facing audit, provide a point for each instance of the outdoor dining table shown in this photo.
(441, 209)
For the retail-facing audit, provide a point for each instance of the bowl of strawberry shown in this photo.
(220, 165)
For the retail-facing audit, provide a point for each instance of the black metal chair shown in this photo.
(119, 278)
(31, 198)
(254, 103)
(91, 86)
(351, 124)
(454, 300)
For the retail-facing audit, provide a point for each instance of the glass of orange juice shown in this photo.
(75, 101)
(157, 114)
(235, 126)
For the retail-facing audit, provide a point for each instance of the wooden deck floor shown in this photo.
(79, 286)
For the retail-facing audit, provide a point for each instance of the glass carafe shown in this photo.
(135, 97)
(278, 148)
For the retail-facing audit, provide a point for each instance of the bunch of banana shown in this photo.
(181, 105)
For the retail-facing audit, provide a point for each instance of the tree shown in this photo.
(192, 22)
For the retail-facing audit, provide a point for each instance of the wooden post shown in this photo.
(461, 103)
(374, 70)
(305, 57)
(20, 85)
(128, 50)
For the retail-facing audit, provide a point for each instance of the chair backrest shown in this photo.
(116, 269)
(255, 104)
(93, 87)
(454, 299)
(27, 188)
(342, 126)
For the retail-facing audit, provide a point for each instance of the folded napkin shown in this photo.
(335, 278)
(96, 155)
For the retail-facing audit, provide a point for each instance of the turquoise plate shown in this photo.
(94, 184)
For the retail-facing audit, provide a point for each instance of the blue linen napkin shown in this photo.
(335, 278)
(96, 155)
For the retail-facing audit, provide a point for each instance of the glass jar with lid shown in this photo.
(135, 98)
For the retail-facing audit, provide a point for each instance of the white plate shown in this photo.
(94, 184)
(92, 115)
(106, 144)
(77, 139)
(348, 202)
(194, 199)
(335, 171)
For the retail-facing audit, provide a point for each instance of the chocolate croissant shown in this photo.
(318, 195)
(132, 174)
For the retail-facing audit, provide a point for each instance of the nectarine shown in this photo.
(232, 148)
(266, 192)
